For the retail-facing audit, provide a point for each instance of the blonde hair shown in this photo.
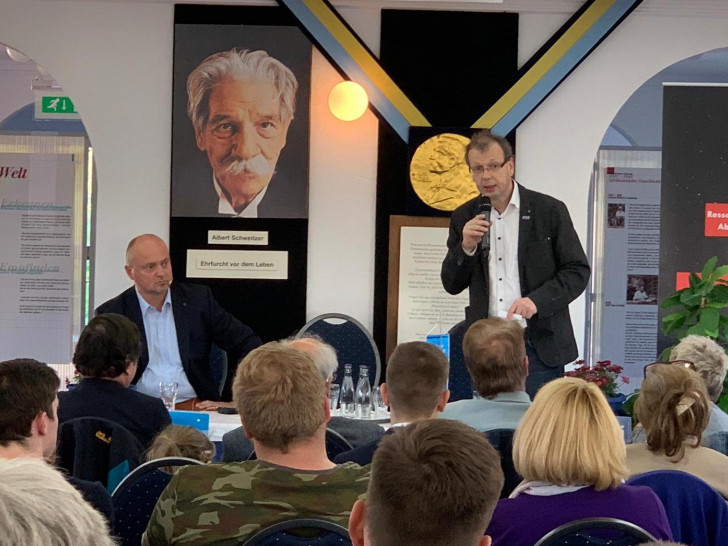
(280, 395)
(569, 435)
(38, 506)
(494, 350)
(673, 404)
(179, 441)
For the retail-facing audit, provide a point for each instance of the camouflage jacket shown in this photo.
(223, 504)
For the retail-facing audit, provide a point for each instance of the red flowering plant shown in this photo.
(604, 374)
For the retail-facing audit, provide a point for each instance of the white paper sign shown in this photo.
(237, 264)
(218, 237)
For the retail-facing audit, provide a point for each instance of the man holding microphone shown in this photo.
(518, 254)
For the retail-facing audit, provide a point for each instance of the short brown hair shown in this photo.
(482, 140)
(569, 435)
(494, 350)
(417, 374)
(434, 482)
(279, 394)
(27, 389)
(107, 346)
(673, 404)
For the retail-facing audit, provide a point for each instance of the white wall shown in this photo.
(115, 60)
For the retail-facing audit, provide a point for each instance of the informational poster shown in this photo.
(424, 306)
(630, 293)
(36, 266)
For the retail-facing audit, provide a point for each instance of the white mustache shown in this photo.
(257, 164)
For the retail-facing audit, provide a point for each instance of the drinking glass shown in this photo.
(168, 393)
(334, 397)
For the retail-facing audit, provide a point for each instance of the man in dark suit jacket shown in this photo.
(184, 317)
(415, 390)
(524, 259)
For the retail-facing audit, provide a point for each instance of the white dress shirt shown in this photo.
(165, 363)
(250, 211)
(504, 282)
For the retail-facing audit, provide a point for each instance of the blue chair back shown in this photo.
(596, 531)
(697, 513)
(502, 440)
(461, 387)
(135, 497)
(353, 343)
(301, 532)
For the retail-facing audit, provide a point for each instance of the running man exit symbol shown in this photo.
(57, 105)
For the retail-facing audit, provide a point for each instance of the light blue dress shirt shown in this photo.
(165, 363)
(504, 410)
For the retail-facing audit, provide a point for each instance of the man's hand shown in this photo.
(473, 233)
(211, 405)
(524, 307)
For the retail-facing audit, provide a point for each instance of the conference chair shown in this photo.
(95, 449)
(502, 440)
(697, 513)
(353, 343)
(134, 498)
(596, 531)
(460, 385)
(300, 532)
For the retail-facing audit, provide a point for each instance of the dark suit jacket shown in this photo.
(236, 446)
(200, 322)
(361, 455)
(144, 416)
(552, 268)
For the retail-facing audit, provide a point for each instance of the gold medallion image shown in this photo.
(438, 172)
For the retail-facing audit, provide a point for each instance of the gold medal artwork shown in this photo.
(438, 172)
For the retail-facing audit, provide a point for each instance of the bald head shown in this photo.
(323, 354)
(149, 267)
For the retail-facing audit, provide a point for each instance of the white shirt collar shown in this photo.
(224, 206)
(515, 198)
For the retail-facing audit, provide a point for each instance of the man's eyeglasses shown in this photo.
(479, 170)
(684, 363)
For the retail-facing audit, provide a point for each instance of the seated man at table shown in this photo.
(415, 389)
(237, 447)
(106, 356)
(29, 421)
(435, 482)
(495, 354)
(284, 407)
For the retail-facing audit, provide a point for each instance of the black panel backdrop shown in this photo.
(453, 66)
(273, 308)
(694, 172)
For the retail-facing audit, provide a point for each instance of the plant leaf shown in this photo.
(673, 299)
(722, 271)
(695, 280)
(697, 329)
(689, 297)
(709, 266)
(709, 320)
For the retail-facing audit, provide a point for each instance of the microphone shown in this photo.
(484, 208)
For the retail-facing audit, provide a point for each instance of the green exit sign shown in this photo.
(57, 105)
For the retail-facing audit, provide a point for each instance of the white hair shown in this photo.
(709, 359)
(322, 354)
(238, 65)
(38, 506)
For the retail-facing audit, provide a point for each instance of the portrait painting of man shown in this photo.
(240, 150)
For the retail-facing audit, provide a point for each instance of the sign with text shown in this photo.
(716, 219)
(237, 264)
(220, 237)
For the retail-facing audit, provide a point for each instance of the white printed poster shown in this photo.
(36, 263)
(424, 306)
(631, 267)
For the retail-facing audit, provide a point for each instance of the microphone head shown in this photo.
(484, 206)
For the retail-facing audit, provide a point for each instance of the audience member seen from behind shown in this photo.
(570, 452)
(674, 409)
(435, 482)
(283, 405)
(237, 447)
(179, 441)
(415, 389)
(106, 356)
(495, 354)
(38, 507)
(29, 421)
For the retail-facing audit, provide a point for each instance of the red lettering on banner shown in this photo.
(682, 279)
(13, 172)
(716, 219)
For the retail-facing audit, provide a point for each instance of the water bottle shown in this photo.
(363, 394)
(348, 408)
